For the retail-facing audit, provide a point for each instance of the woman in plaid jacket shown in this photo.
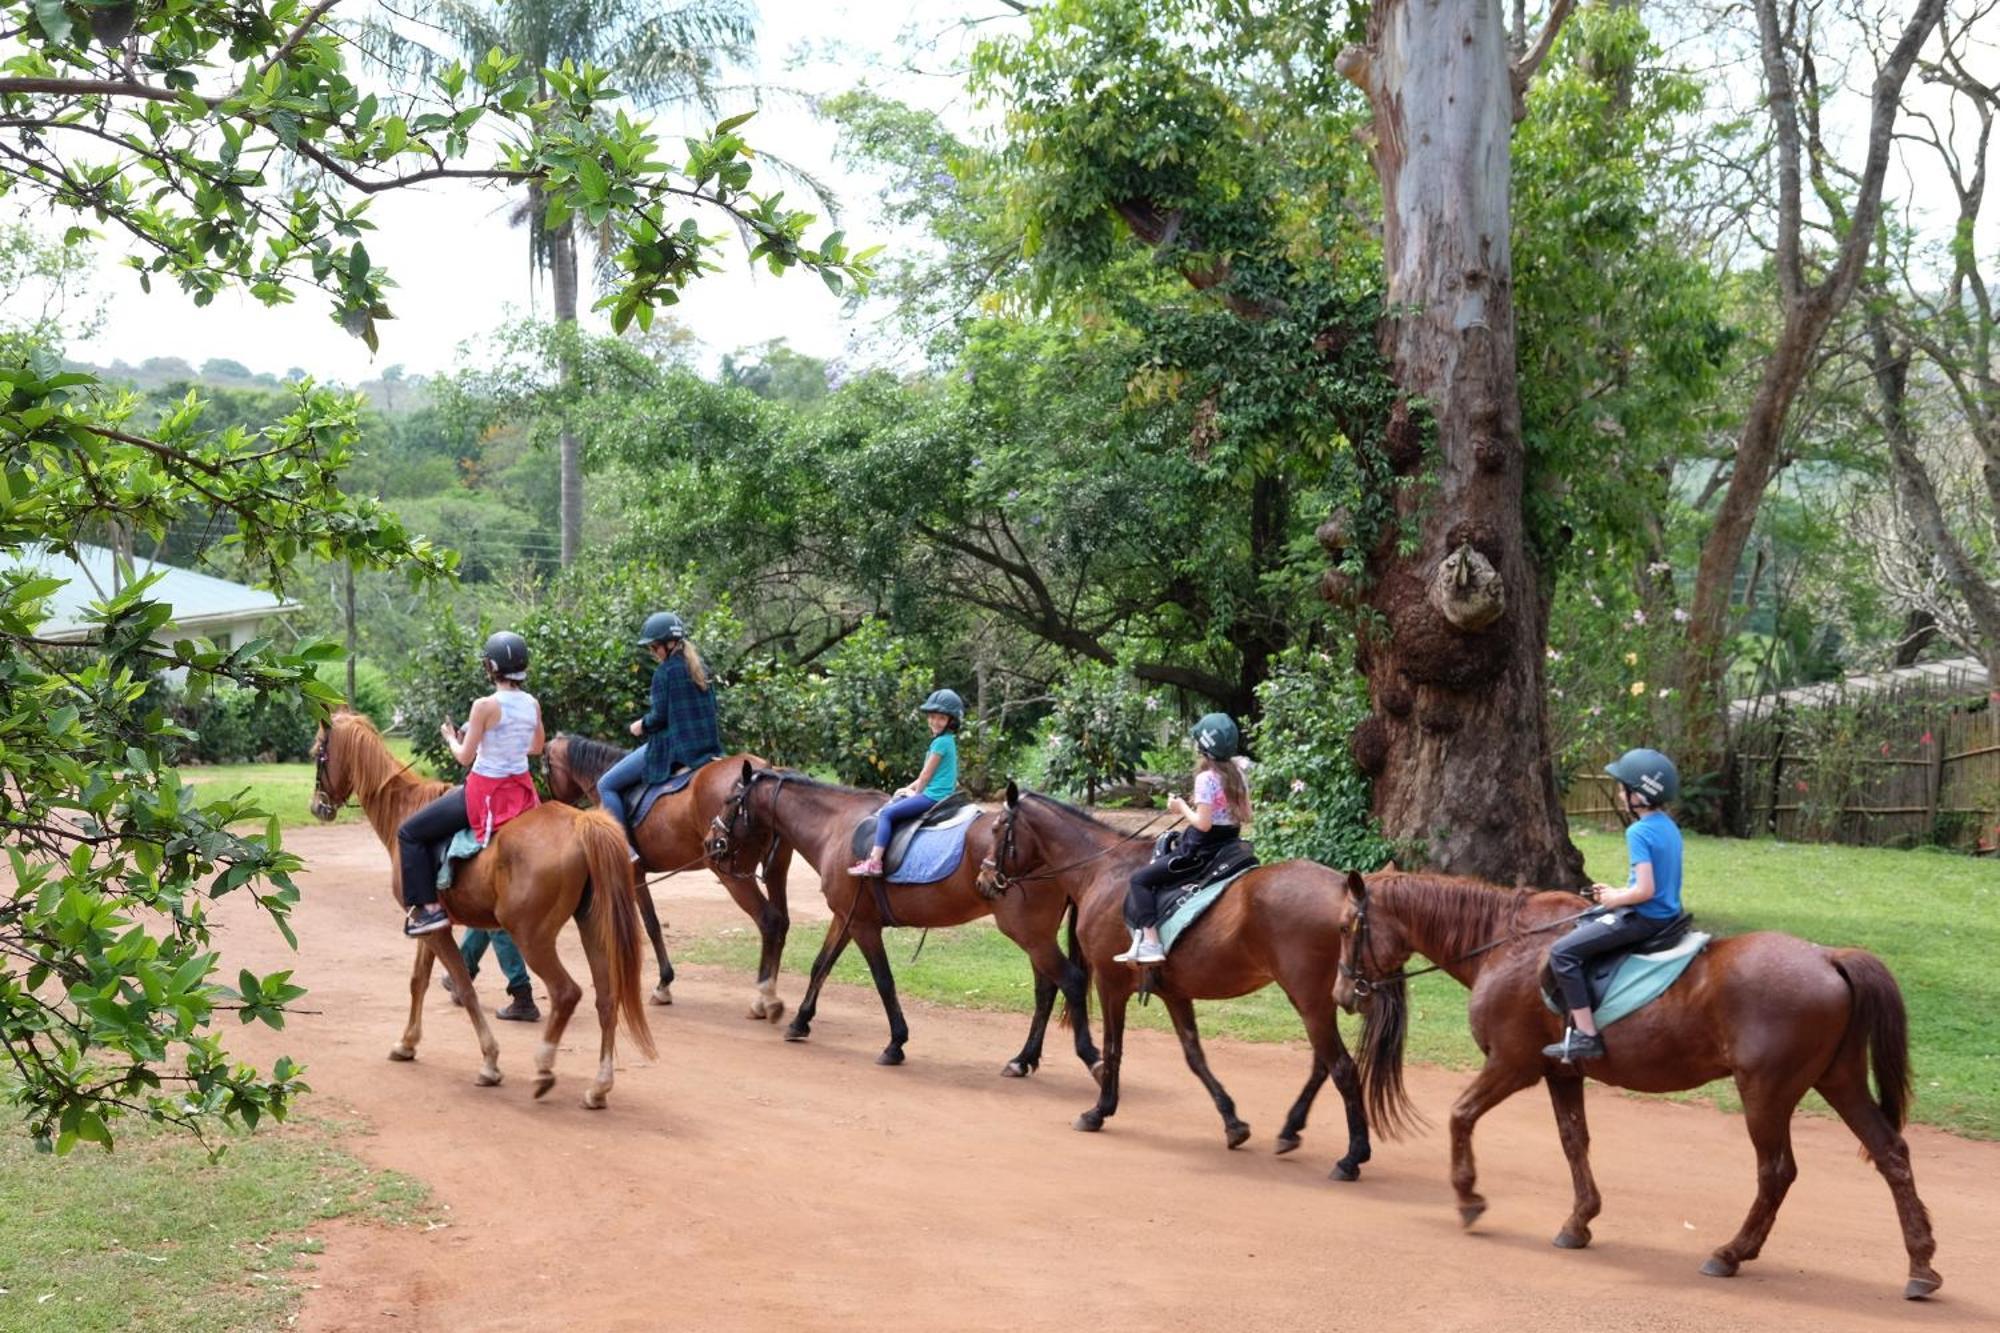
(680, 726)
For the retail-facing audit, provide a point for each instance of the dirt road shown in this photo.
(743, 1183)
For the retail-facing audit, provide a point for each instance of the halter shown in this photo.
(1365, 986)
(1004, 850)
(321, 754)
(737, 810)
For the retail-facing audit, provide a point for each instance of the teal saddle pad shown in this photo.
(1191, 907)
(1641, 978)
(464, 845)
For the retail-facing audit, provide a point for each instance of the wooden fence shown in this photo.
(1888, 767)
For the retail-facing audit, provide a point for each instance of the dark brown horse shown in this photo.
(535, 875)
(1279, 923)
(671, 840)
(1777, 1014)
(818, 819)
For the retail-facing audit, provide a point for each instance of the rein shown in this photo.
(1366, 986)
(1002, 881)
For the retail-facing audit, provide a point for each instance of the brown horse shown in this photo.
(671, 839)
(542, 868)
(819, 819)
(1280, 922)
(1776, 1013)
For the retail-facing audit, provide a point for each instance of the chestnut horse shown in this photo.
(541, 868)
(1774, 1012)
(1280, 922)
(671, 839)
(819, 818)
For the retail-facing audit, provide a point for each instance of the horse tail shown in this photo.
(1076, 963)
(1878, 1017)
(613, 920)
(1384, 1026)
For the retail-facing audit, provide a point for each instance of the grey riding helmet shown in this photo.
(1649, 773)
(946, 702)
(662, 627)
(507, 653)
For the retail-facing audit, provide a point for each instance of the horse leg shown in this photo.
(420, 981)
(1075, 987)
(1566, 1093)
(599, 1091)
(1316, 1009)
(1767, 1113)
(1113, 1002)
(774, 925)
(664, 992)
(1030, 1058)
(1847, 1093)
(744, 890)
(1295, 1119)
(869, 937)
(1495, 1084)
(1181, 1010)
(830, 949)
(539, 952)
(441, 946)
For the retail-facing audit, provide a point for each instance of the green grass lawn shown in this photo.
(1933, 917)
(283, 789)
(154, 1236)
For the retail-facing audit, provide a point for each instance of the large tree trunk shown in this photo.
(563, 276)
(1458, 738)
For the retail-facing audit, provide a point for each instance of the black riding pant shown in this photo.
(1600, 932)
(416, 843)
(1142, 899)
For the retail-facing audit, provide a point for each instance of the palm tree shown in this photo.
(662, 53)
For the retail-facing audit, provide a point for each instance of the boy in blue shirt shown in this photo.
(1647, 780)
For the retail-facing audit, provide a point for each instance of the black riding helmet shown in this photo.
(662, 627)
(507, 654)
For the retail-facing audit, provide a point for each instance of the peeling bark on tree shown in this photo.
(1458, 740)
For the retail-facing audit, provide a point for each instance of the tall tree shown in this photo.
(1812, 289)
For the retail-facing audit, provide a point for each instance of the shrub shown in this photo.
(372, 692)
(1099, 728)
(1312, 799)
(866, 708)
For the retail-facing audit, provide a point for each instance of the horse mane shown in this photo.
(1460, 913)
(1073, 811)
(589, 759)
(800, 778)
(393, 793)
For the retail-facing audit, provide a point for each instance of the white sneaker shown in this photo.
(1148, 952)
(1130, 953)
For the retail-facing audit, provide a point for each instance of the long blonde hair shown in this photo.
(697, 670)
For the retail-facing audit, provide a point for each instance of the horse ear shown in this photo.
(1389, 868)
(1357, 887)
(747, 770)
(1013, 793)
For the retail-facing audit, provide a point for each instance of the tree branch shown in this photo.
(1523, 70)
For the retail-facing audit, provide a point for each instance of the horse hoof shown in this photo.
(594, 1099)
(1919, 1287)
(1090, 1122)
(487, 1078)
(1718, 1267)
(543, 1082)
(1468, 1213)
(892, 1056)
(1345, 1170)
(1287, 1143)
(1236, 1135)
(1014, 1069)
(1097, 1073)
(797, 1033)
(774, 1010)
(1571, 1240)
(662, 994)
(400, 1053)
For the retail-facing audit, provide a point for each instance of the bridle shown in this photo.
(727, 832)
(322, 753)
(1365, 985)
(1003, 851)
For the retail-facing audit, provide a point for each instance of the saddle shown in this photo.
(954, 809)
(1198, 870)
(1627, 979)
(639, 809)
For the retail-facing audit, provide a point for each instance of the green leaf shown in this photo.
(54, 20)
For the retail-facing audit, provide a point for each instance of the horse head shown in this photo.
(1005, 861)
(333, 783)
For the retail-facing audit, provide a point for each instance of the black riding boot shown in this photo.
(521, 1008)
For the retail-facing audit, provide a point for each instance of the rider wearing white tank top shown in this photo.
(503, 749)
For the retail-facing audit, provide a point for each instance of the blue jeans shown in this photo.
(894, 813)
(628, 774)
(473, 947)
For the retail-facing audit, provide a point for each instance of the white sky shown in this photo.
(461, 269)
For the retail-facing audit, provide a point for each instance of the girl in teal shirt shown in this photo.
(944, 710)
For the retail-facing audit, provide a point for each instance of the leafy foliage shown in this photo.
(1311, 798)
(1100, 728)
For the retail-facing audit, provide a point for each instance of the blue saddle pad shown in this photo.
(935, 852)
(464, 845)
(1642, 978)
(659, 789)
(1191, 907)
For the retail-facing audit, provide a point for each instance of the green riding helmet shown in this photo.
(662, 627)
(1649, 773)
(946, 702)
(1217, 736)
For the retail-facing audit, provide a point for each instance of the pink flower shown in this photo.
(1638, 616)
(1680, 617)
(1298, 786)
(1926, 740)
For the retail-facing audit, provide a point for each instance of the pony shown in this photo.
(670, 840)
(540, 869)
(1773, 1012)
(1279, 922)
(819, 818)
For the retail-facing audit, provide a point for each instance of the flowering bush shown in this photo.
(1607, 656)
(1099, 728)
(865, 708)
(1311, 798)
